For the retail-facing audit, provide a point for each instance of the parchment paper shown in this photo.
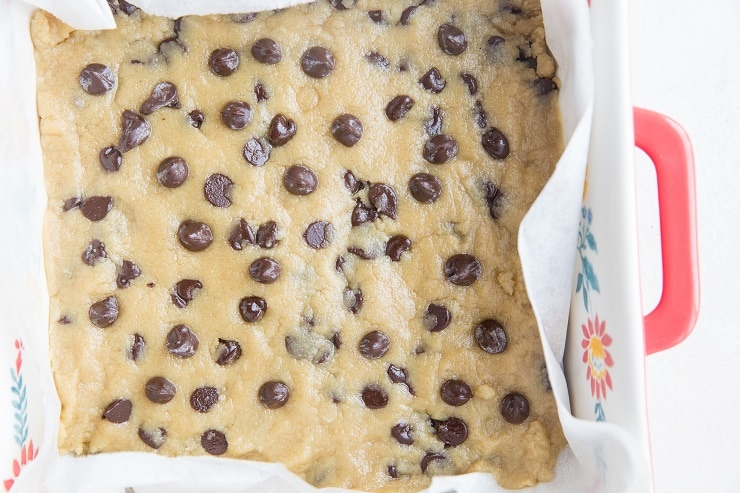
(598, 457)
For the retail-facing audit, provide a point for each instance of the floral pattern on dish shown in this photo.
(27, 451)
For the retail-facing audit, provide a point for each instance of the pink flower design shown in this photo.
(597, 357)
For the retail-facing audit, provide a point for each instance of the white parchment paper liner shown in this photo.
(599, 455)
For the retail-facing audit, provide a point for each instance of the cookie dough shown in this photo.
(291, 236)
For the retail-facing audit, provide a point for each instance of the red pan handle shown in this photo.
(669, 147)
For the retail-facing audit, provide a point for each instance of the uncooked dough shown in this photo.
(292, 237)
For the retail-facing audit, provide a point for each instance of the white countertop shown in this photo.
(684, 66)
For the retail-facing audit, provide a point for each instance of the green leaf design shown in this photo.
(591, 241)
(588, 271)
(585, 298)
(579, 284)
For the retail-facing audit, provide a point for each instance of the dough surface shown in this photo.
(120, 237)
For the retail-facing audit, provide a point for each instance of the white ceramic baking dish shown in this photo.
(608, 335)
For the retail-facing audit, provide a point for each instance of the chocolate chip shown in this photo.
(96, 208)
(317, 62)
(153, 437)
(336, 339)
(300, 180)
(471, 82)
(128, 272)
(64, 320)
(378, 60)
(196, 118)
(319, 234)
(214, 442)
(374, 345)
(104, 312)
(452, 432)
(194, 235)
(223, 61)
(274, 395)
(451, 39)
(400, 375)
(376, 16)
(362, 214)
(525, 56)
(515, 408)
(396, 246)
(260, 92)
(185, 292)
(481, 117)
(494, 42)
(160, 390)
(431, 457)
(182, 342)
(97, 79)
(543, 87)
(203, 398)
(252, 308)
(267, 51)
(352, 184)
(440, 149)
(455, 392)
(267, 235)
(347, 129)
(217, 190)
(402, 433)
(163, 94)
(137, 348)
(255, 152)
(167, 46)
(241, 235)
(126, 7)
(150, 284)
(462, 269)
(433, 126)
(374, 397)
(383, 198)
(353, 299)
(494, 196)
(436, 318)
(172, 172)
(118, 411)
(265, 270)
(432, 81)
(236, 115)
(425, 188)
(392, 472)
(94, 252)
(71, 203)
(281, 130)
(110, 159)
(135, 131)
(398, 107)
(491, 337)
(406, 15)
(361, 253)
(228, 352)
(177, 26)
